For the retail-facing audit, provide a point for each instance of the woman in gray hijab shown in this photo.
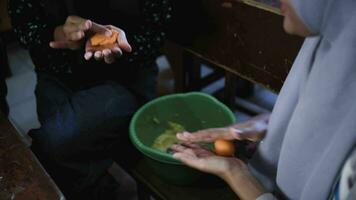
(311, 131)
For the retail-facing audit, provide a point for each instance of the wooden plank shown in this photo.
(272, 6)
(21, 175)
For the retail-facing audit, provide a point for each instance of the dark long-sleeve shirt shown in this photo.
(34, 31)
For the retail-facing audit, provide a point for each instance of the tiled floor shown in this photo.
(22, 103)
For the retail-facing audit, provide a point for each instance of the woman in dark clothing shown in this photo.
(84, 105)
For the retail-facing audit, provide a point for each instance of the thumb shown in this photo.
(123, 43)
(64, 45)
(97, 28)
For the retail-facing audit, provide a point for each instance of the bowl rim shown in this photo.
(167, 157)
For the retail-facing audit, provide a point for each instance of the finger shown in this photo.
(75, 36)
(98, 55)
(199, 150)
(184, 149)
(191, 145)
(88, 55)
(75, 19)
(108, 56)
(185, 136)
(106, 52)
(88, 46)
(64, 45)
(97, 28)
(69, 28)
(59, 44)
(178, 148)
(122, 41)
(188, 159)
(117, 52)
(209, 135)
(83, 26)
(197, 137)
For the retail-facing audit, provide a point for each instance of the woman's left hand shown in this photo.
(234, 171)
(110, 52)
(204, 160)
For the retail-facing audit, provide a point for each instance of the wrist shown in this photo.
(235, 172)
(244, 184)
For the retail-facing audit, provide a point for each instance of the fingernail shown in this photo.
(97, 55)
(87, 56)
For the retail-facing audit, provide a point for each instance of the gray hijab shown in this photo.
(313, 125)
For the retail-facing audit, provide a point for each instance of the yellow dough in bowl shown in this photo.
(168, 137)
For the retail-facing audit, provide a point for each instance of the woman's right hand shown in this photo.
(71, 35)
(252, 130)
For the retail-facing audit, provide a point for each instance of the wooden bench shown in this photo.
(21, 175)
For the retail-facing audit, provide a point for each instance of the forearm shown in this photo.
(244, 184)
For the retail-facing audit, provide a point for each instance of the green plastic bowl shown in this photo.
(195, 111)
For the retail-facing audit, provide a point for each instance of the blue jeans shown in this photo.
(84, 130)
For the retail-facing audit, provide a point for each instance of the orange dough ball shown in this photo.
(224, 148)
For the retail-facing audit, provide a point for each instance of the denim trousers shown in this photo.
(84, 130)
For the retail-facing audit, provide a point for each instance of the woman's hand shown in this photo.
(230, 169)
(72, 34)
(204, 160)
(108, 52)
(252, 130)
